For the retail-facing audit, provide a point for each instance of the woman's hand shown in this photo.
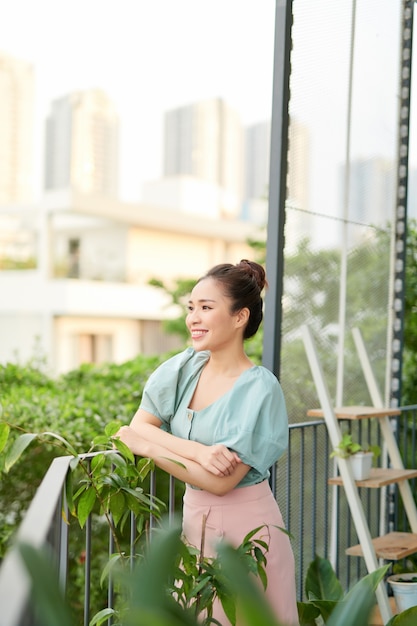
(217, 459)
(133, 441)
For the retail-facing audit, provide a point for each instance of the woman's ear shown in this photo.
(242, 316)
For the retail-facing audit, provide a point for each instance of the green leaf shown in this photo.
(101, 617)
(356, 608)
(85, 505)
(405, 618)
(251, 600)
(321, 581)
(144, 467)
(100, 440)
(17, 449)
(123, 449)
(117, 506)
(112, 428)
(97, 462)
(325, 607)
(65, 443)
(307, 613)
(4, 435)
(110, 565)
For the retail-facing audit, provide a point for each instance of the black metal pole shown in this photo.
(404, 115)
(277, 186)
(277, 193)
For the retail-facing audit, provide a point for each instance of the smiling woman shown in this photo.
(216, 421)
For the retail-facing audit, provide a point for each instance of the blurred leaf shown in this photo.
(4, 435)
(17, 449)
(251, 600)
(307, 613)
(65, 443)
(405, 618)
(113, 561)
(101, 617)
(112, 428)
(47, 596)
(321, 581)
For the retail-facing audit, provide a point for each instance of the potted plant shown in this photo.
(404, 587)
(361, 456)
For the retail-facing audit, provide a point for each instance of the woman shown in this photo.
(224, 419)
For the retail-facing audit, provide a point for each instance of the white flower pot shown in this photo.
(361, 463)
(405, 593)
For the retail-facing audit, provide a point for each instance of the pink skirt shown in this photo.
(233, 516)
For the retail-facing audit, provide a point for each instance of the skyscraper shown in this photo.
(205, 140)
(82, 137)
(16, 129)
(257, 157)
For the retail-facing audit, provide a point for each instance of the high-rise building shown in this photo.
(16, 129)
(82, 144)
(257, 157)
(205, 140)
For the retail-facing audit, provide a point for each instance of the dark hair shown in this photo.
(243, 284)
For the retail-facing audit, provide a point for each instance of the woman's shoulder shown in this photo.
(188, 360)
(262, 375)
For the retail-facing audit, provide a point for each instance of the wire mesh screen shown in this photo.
(341, 191)
(340, 209)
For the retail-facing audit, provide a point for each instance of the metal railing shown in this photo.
(316, 516)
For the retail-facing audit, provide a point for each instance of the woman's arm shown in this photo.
(217, 459)
(193, 473)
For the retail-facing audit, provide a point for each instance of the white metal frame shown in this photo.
(345, 470)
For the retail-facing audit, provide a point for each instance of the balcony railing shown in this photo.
(316, 516)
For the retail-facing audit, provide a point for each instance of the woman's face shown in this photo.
(211, 324)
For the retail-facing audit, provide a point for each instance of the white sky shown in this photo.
(149, 56)
(152, 55)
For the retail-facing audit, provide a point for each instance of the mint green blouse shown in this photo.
(250, 418)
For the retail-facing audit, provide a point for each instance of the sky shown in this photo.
(149, 56)
(153, 55)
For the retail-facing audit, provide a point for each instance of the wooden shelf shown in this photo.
(392, 547)
(380, 476)
(356, 412)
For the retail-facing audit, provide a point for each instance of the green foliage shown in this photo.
(326, 599)
(149, 600)
(347, 447)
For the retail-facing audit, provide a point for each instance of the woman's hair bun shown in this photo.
(256, 271)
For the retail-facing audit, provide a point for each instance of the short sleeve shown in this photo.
(258, 426)
(167, 384)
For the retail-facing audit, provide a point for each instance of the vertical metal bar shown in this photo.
(171, 505)
(301, 503)
(271, 354)
(326, 492)
(110, 589)
(314, 473)
(87, 570)
(398, 296)
(63, 545)
(132, 540)
(152, 493)
(277, 185)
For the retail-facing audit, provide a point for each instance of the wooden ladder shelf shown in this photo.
(391, 546)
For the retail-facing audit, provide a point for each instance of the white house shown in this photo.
(87, 297)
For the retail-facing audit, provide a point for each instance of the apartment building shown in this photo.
(88, 298)
(16, 129)
(82, 144)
